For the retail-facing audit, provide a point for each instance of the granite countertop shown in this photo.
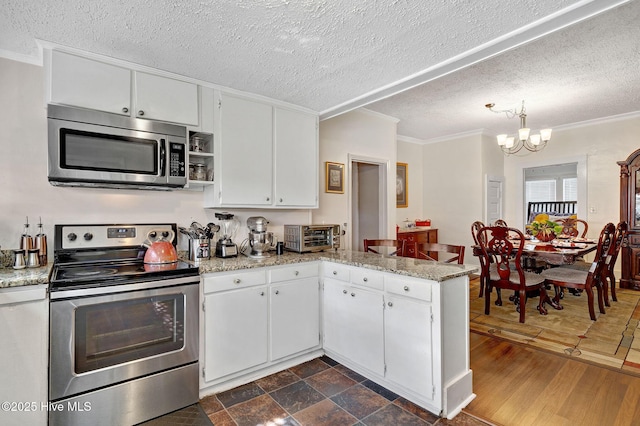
(411, 267)
(424, 269)
(10, 277)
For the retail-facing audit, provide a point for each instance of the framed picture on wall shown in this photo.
(334, 178)
(402, 199)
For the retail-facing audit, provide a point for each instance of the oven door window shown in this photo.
(80, 150)
(117, 332)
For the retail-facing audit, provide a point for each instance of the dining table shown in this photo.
(558, 252)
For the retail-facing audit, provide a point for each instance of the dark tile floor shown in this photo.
(318, 393)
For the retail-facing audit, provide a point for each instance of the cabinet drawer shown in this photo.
(229, 281)
(367, 278)
(336, 271)
(409, 287)
(294, 272)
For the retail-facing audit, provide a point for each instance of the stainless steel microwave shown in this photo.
(99, 149)
(310, 238)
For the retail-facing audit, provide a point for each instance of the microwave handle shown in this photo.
(163, 154)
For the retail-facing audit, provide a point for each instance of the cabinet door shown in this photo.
(89, 84)
(295, 317)
(235, 331)
(336, 316)
(353, 324)
(296, 155)
(24, 356)
(166, 99)
(408, 348)
(246, 152)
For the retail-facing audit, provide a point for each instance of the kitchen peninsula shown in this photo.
(401, 322)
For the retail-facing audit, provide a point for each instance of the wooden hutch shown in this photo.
(630, 212)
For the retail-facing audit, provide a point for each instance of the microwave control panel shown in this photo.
(177, 159)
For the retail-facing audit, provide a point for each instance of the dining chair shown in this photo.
(427, 250)
(569, 277)
(497, 245)
(500, 222)
(570, 227)
(398, 245)
(610, 279)
(475, 227)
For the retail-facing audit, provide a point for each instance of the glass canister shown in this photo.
(199, 171)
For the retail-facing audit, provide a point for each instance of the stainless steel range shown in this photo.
(123, 334)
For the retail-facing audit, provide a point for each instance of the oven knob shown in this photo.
(72, 236)
(88, 236)
(152, 235)
(165, 234)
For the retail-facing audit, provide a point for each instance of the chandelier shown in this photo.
(524, 139)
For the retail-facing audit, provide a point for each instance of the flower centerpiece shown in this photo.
(544, 229)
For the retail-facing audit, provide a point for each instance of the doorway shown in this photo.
(493, 199)
(368, 200)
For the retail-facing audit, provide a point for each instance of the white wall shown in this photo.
(358, 133)
(411, 153)
(454, 186)
(25, 190)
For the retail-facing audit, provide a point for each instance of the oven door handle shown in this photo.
(163, 154)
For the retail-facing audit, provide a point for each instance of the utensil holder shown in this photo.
(199, 249)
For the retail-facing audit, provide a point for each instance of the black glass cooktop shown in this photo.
(118, 272)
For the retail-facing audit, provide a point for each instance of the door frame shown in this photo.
(490, 178)
(383, 167)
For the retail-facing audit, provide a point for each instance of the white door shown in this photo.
(239, 319)
(295, 317)
(408, 347)
(296, 155)
(494, 199)
(246, 145)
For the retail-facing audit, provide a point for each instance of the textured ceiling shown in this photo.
(334, 55)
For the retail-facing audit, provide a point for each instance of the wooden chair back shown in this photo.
(427, 250)
(570, 227)
(502, 267)
(500, 222)
(399, 246)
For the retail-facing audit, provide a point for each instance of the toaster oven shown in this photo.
(310, 238)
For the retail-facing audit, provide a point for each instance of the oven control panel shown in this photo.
(112, 236)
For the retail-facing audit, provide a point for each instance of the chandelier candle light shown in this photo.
(532, 143)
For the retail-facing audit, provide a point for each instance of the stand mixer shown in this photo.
(225, 247)
(260, 241)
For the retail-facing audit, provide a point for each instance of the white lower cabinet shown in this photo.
(407, 334)
(353, 324)
(294, 316)
(24, 333)
(408, 346)
(236, 331)
(256, 319)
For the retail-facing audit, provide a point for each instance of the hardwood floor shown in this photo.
(518, 385)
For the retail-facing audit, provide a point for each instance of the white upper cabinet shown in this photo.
(89, 84)
(266, 156)
(165, 99)
(245, 166)
(86, 83)
(296, 154)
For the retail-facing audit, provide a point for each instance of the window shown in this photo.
(558, 182)
(570, 189)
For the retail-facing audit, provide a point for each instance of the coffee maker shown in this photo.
(225, 247)
(260, 241)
